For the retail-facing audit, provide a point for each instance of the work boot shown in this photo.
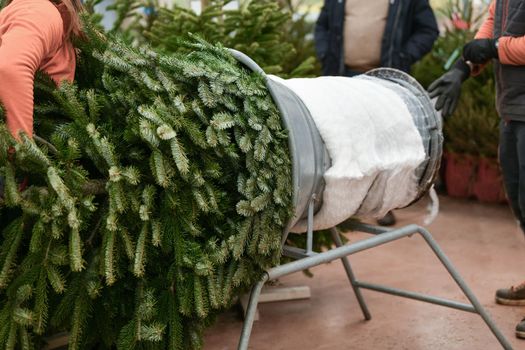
(514, 295)
(388, 220)
(520, 329)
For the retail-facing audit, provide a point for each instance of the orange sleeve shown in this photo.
(511, 50)
(486, 31)
(30, 35)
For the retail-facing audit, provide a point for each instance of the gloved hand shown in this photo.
(479, 51)
(447, 88)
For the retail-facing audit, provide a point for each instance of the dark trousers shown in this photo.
(512, 161)
(351, 73)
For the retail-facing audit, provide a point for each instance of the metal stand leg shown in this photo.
(466, 290)
(351, 276)
(250, 313)
(383, 236)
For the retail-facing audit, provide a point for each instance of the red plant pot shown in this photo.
(488, 187)
(460, 174)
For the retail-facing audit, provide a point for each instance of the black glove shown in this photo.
(447, 88)
(479, 51)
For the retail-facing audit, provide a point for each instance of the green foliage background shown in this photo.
(273, 34)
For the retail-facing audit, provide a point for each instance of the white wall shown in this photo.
(109, 16)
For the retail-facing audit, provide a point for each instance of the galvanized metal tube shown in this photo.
(340, 252)
(466, 290)
(249, 318)
(375, 230)
(417, 296)
(353, 282)
(310, 231)
(296, 253)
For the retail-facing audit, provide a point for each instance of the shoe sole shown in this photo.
(511, 302)
(520, 334)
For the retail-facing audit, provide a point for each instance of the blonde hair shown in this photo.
(74, 7)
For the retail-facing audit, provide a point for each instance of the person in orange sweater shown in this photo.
(34, 35)
(501, 38)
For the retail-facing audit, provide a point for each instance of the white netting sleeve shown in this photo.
(373, 143)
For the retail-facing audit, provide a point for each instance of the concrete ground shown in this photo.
(483, 243)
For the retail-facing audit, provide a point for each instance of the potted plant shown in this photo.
(471, 133)
(488, 186)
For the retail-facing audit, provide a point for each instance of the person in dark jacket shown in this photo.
(354, 36)
(500, 39)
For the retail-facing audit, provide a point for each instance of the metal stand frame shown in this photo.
(309, 259)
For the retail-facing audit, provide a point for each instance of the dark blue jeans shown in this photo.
(512, 161)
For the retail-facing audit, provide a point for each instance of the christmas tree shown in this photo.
(263, 29)
(158, 189)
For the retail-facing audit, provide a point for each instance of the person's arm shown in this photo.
(511, 50)
(486, 31)
(321, 34)
(33, 34)
(425, 31)
(447, 88)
